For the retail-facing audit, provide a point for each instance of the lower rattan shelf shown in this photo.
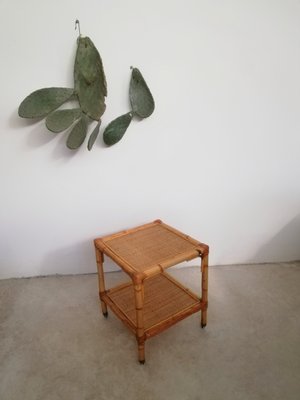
(166, 302)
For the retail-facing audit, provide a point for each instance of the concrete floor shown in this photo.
(56, 345)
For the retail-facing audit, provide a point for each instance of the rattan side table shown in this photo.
(153, 300)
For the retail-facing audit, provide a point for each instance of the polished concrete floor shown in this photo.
(55, 344)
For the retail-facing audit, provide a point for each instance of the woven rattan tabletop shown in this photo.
(150, 248)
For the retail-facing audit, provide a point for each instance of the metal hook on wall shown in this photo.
(77, 24)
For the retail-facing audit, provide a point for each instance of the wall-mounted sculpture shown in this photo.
(90, 90)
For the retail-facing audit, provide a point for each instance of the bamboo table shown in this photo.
(153, 300)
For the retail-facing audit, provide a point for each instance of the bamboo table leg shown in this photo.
(204, 285)
(140, 336)
(99, 259)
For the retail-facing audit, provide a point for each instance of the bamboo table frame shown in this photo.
(154, 300)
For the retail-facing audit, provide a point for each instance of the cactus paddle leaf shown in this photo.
(93, 136)
(141, 99)
(116, 129)
(89, 77)
(43, 101)
(78, 133)
(60, 120)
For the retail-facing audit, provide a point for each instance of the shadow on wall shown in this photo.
(285, 246)
(39, 136)
(76, 259)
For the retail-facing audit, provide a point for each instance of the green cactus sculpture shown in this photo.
(90, 90)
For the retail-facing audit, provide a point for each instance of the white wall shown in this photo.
(219, 158)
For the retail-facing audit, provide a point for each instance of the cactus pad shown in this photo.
(41, 102)
(78, 133)
(60, 120)
(90, 82)
(115, 129)
(141, 99)
(93, 136)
